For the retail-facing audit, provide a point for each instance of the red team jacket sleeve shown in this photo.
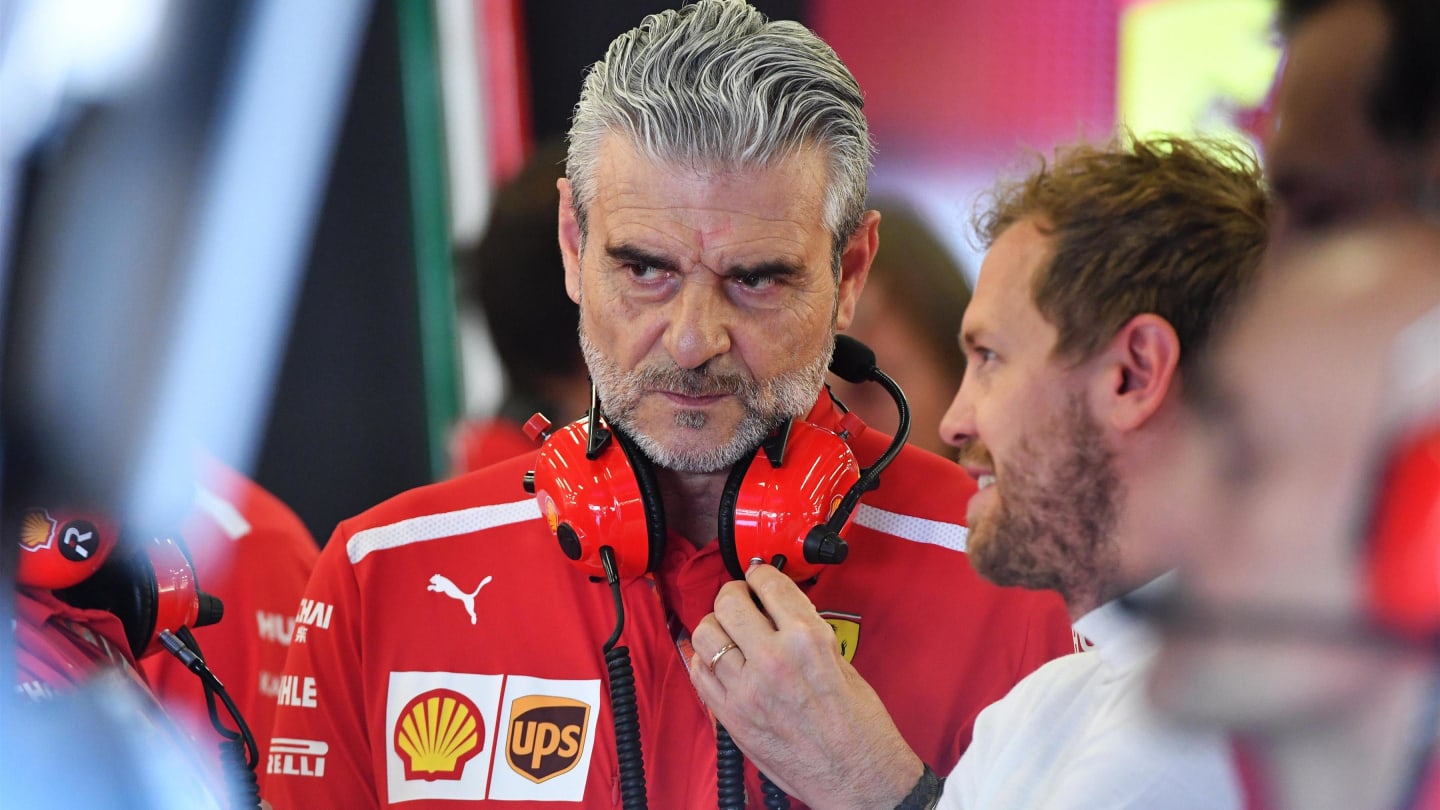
(319, 751)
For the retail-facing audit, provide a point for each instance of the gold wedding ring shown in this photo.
(720, 653)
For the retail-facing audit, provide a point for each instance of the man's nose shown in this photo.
(957, 427)
(699, 327)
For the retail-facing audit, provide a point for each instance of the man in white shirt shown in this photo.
(1106, 273)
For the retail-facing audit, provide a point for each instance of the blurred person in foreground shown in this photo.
(1357, 113)
(1309, 508)
(237, 543)
(714, 234)
(1106, 274)
(60, 646)
(913, 301)
(87, 609)
(515, 278)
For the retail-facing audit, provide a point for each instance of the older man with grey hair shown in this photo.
(714, 235)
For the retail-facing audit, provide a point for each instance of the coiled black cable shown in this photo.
(730, 777)
(627, 728)
(775, 798)
(729, 771)
(241, 786)
(239, 755)
(628, 752)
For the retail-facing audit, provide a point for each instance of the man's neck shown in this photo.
(692, 503)
(1360, 757)
(1108, 579)
(1133, 559)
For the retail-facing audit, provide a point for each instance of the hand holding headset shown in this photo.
(788, 503)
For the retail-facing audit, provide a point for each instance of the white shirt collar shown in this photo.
(1123, 640)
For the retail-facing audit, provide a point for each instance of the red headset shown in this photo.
(786, 504)
(1403, 570)
(1402, 543)
(149, 584)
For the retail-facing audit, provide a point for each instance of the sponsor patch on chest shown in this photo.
(847, 631)
(471, 737)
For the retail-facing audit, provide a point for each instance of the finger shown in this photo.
(739, 617)
(726, 662)
(712, 646)
(708, 637)
(707, 685)
(781, 599)
(712, 693)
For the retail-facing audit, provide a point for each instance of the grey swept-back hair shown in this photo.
(717, 84)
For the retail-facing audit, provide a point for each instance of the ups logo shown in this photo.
(547, 736)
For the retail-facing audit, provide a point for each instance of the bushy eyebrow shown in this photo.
(625, 253)
(774, 269)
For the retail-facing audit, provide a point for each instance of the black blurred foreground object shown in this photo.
(161, 168)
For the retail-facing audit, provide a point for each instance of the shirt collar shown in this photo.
(1123, 640)
(829, 414)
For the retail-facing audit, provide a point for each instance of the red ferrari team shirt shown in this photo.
(58, 647)
(446, 650)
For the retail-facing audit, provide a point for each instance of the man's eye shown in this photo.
(645, 272)
(983, 356)
(756, 281)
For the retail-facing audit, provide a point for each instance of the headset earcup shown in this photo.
(726, 525)
(650, 498)
(1404, 542)
(767, 511)
(125, 586)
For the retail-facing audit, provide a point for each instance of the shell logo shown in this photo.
(834, 505)
(37, 530)
(552, 515)
(437, 733)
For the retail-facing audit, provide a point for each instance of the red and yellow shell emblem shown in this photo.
(437, 733)
(36, 530)
(552, 514)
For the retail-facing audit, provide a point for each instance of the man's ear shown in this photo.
(569, 240)
(855, 263)
(1136, 371)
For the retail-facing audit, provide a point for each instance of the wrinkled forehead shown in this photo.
(626, 167)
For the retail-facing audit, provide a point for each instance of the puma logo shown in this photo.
(442, 584)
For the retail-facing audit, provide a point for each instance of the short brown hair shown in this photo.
(1167, 226)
